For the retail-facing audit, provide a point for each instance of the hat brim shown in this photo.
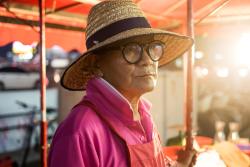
(74, 79)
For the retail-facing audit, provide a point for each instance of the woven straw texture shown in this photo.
(105, 13)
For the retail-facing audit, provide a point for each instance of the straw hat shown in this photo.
(112, 21)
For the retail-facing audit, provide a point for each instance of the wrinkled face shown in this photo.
(133, 79)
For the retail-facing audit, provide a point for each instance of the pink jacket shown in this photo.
(82, 139)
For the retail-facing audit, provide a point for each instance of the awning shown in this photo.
(68, 17)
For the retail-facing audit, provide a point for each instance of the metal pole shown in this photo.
(64, 8)
(212, 12)
(43, 84)
(188, 80)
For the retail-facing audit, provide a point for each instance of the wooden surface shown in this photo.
(231, 155)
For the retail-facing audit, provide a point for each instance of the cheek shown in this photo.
(125, 75)
(120, 74)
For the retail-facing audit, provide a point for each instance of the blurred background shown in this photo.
(220, 77)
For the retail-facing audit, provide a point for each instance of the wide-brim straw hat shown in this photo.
(112, 21)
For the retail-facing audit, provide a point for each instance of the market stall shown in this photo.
(69, 17)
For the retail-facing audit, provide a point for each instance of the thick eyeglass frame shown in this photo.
(142, 46)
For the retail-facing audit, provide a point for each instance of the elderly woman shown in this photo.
(112, 125)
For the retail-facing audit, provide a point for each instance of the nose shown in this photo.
(145, 60)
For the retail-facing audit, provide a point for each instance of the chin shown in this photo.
(147, 86)
(143, 84)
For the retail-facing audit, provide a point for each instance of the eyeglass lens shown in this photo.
(133, 52)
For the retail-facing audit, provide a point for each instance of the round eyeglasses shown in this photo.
(133, 52)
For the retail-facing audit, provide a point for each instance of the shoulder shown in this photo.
(82, 120)
(74, 139)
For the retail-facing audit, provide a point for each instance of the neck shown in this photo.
(133, 100)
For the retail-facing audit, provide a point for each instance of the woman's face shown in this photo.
(133, 79)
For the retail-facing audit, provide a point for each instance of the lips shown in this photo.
(147, 75)
(146, 72)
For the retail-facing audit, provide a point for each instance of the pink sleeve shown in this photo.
(73, 150)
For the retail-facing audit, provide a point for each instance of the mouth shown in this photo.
(147, 75)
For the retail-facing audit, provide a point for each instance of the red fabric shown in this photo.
(69, 40)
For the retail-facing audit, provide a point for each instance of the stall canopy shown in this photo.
(66, 19)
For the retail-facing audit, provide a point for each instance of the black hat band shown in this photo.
(116, 28)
